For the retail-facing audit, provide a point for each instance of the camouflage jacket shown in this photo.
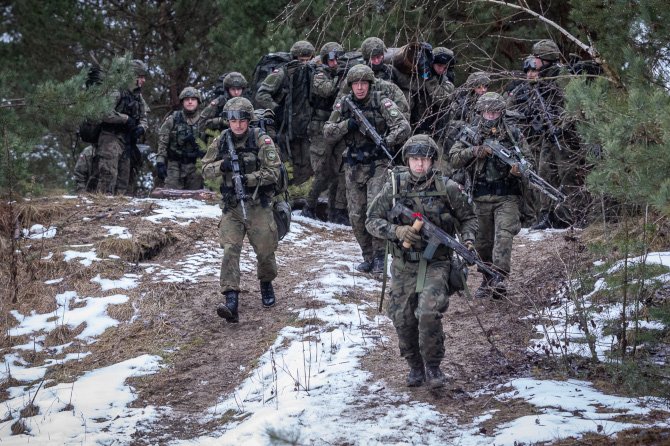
(259, 165)
(82, 170)
(387, 89)
(177, 137)
(382, 113)
(129, 104)
(211, 118)
(436, 197)
(427, 97)
(325, 86)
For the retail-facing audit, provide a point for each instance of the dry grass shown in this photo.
(143, 246)
(29, 411)
(19, 427)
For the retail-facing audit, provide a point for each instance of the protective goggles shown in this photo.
(237, 115)
(334, 55)
(420, 151)
(529, 64)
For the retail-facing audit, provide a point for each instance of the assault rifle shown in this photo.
(552, 129)
(516, 157)
(237, 178)
(366, 128)
(437, 236)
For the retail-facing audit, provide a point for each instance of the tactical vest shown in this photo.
(130, 104)
(360, 148)
(182, 146)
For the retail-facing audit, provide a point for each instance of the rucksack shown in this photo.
(281, 205)
(296, 112)
(266, 65)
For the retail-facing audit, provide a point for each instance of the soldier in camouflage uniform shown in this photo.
(234, 85)
(82, 170)
(259, 165)
(120, 131)
(178, 148)
(496, 188)
(420, 289)
(285, 91)
(326, 157)
(386, 76)
(365, 165)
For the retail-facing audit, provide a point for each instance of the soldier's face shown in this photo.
(419, 165)
(332, 63)
(481, 89)
(304, 59)
(377, 60)
(235, 92)
(491, 115)
(190, 104)
(140, 81)
(360, 89)
(533, 73)
(440, 68)
(238, 126)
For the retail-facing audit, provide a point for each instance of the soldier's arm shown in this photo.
(461, 155)
(115, 117)
(400, 99)
(265, 96)
(463, 211)
(208, 118)
(399, 129)
(323, 85)
(144, 110)
(211, 163)
(336, 126)
(376, 222)
(439, 88)
(164, 139)
(270, 161)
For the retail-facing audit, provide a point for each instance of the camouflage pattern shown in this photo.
(111, 154)
(365, 167)
(547, 50)
(417, 317)
(234, 79)
(386, 89)
(190, 92)
(372, 46)
(261, 170)
(302, 48)
(82, 169)
(178, 155)
(496, 192)
(427, 97)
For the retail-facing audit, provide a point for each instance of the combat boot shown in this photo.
(434, 377)
(499, 290)
(544, 222)
(365, 266)
(340, 217)
(378, 265)
(228, 311)
(267, 294)
(484, 291)
(416, 376)
(309, 212)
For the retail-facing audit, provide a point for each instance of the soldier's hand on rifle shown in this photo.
(131, 123)
(226, 166)
(407, 233)
(481, 151)
(161, 170)
(515, 170)
(352, 124)
(138, 131)
(470, 245)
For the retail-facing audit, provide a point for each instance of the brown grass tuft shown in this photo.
(143, 246)
(29, 411)
(19, 427)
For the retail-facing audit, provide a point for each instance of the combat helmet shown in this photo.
(190, 92)
(547, 50)
(238, 108)
(234, 80)
(420, 146)
(372, 46)
(443, 55)
(490, 101)
(302, 48)
(330, 51)
(360, 73)
(478, 78)
(139, 68)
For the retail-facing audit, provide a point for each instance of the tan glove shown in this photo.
(515, 170)
(407, 233)
(481, 151)
(470, 245)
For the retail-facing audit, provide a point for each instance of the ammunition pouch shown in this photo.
(499, 187)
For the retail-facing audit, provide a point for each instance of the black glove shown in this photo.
(138, 131)
(161, 170)
(352, 124)
(190, 139)
(226, 166)
(244, 179)
(131, 123)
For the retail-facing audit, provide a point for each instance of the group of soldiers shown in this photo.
(375, 135)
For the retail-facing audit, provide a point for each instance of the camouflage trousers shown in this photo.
(299, 156)
(108, 154)
(363, 183)
(417, 318)
(499, 222)
(326, 159)
(261, 230)
(182, 176)
(559, 167)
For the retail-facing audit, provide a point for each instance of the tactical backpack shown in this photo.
(281, 206)
(266, 65)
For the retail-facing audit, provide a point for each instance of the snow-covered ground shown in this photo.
(309, 384)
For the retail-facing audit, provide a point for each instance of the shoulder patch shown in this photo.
(213, 102)
(388, 104)
(267, 140)
(338, 105)
(272, 155)
(393, 113)
(276, 70)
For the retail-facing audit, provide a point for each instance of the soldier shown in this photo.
(420, 288)
(118, 136)
(250, 214)
(285, 91)
(496, 188)
(365, 164)
(82, 170)
(178, 148)
(443, 62)
(234, 85)
(324, 158)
